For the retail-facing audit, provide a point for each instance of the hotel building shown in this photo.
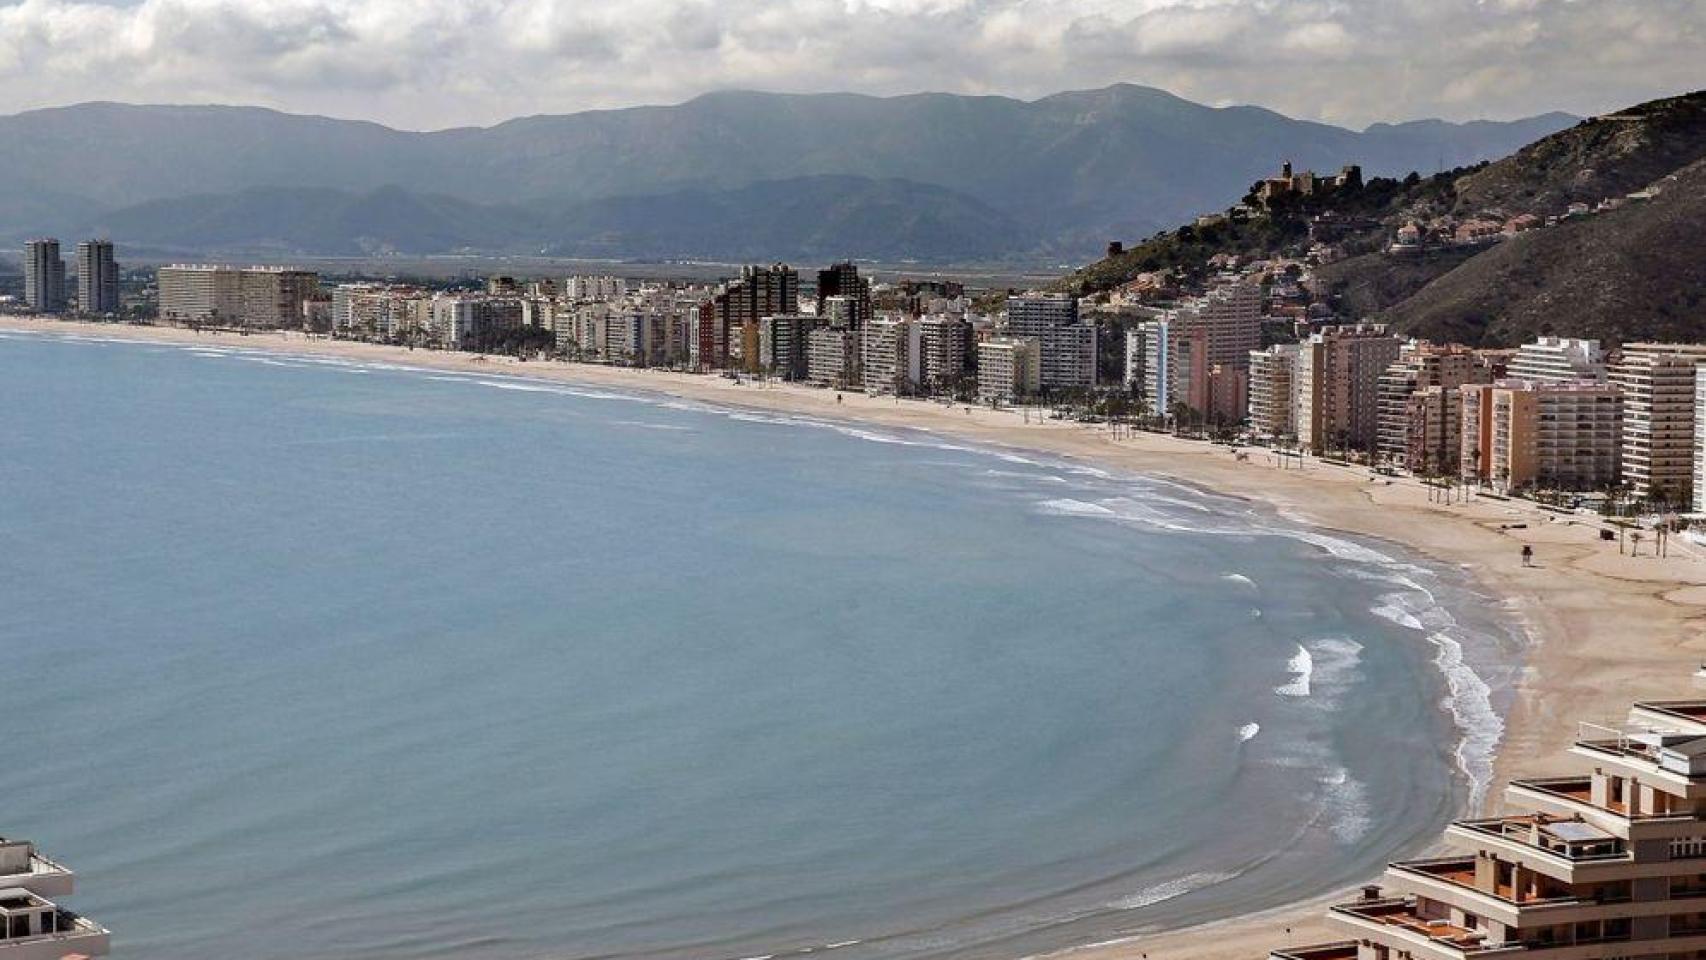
(1657, 380)
(1605, 863)
(33, 926)
(264, 297)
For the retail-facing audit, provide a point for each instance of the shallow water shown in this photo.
(311, 658)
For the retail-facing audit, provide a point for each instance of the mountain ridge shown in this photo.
(1071, 170)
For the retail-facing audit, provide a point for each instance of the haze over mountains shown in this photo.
(932, 177)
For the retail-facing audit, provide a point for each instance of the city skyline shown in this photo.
(438, 65)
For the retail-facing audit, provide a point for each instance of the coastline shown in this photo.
(1605, 628)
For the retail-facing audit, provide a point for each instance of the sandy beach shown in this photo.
(1606, 628)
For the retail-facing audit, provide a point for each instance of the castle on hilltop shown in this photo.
(1306, 184)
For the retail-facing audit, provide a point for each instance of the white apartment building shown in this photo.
(832, 357)
(1558, 360)
(891, 355)
(1068, 346)
(33, 926)
(1657, 380)
(579, 288)
(1008, 369)
(945, 341)
(1273, 401)
(1607, 862)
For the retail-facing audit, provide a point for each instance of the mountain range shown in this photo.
(736, 175)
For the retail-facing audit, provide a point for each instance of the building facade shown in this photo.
(1008, 369)
(33, 924)
(1657, 380)
(44, 276)
(1338, 387)
(1558, 360)
(1273, 404)
(262, 297)
(1068, 346)
(97, 277)
(1601, 863)
(1421, 365)
(1522, 434)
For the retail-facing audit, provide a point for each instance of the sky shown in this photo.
(429, 64)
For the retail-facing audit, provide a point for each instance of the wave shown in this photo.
(1170, 889)
(1074, 508)
(1248, 732)
(1345, 800)
(1302, 669)
(1238, 578)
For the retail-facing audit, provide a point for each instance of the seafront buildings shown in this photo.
(97, 277)
(33, 923)
(1518, 434)
(1246, 357)
(44, 276)
(1337, 386)
(1657, 383)
(256, 297)
(1603, 863)
(1009, 369)
(1067, 344)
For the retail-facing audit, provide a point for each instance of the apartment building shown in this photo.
(1231, 320)
(97, 277)
(464, 321)
(1603, 863)
(44, 276)
(1657, 380)
(1433, 431)
(1558, 360)
(33, 925)
(783, 350)
(1067, 345)
(1338, 386)
(832, 357)
(1421, 365)
(262, 297)
(891, 355)
(1008, 369)
(1522, 434)
(1273, 404)
(946, 342)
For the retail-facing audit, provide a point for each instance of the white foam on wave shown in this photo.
(1066, 507)
(1248, 732)
(1301, 666)
(1468, 699)
(1170, 889)
(1238, 578)
(1345, 800)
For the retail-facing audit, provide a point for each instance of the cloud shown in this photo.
(435, 63)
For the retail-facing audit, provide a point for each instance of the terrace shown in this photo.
(1568, 839)
(1460, 872)
(1341, 950)
(1400, 916)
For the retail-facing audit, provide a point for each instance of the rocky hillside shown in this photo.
(1626, 263)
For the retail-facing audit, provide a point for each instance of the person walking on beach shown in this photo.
(1527, 555)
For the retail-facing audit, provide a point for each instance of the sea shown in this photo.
(313, 658)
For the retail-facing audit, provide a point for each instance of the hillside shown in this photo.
(1635, 273)
(806, 218)
(1632, 270)
(1071, 170)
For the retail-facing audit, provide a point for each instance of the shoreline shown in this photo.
(1603, 629)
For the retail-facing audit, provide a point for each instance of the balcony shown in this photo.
(1341, 950)
(1397, 918)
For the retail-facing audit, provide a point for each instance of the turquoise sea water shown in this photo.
(310, 659)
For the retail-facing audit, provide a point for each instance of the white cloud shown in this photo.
(434, 63)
